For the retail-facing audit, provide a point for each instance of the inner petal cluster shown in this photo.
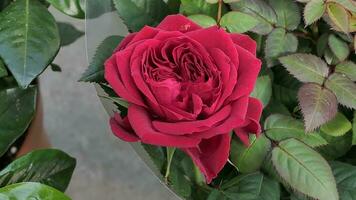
(181, 73)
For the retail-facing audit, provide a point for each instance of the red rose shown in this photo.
(188, 87)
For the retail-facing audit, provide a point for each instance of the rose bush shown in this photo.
(187, 87)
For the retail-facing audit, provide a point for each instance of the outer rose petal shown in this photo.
(125, 42)
(113, 76)
(178, 23)
(142, 125)
(215, 37)
(247, 73)
(236, 119)
(189, 127)
(211, 155)
(244, 41)
(122, 129)
(251, 124)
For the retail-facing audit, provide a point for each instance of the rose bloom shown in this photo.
(187, 87)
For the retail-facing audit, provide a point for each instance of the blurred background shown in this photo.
(76, 122)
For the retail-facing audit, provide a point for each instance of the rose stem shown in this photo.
(170, 153)
(219, 12)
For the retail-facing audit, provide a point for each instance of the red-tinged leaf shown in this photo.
(318, 104)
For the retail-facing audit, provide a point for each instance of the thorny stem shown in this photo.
(219, 12)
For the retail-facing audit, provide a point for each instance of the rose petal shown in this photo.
(243, 135)
(164, 35)
(123, 44)
(211, 155)
(189, 127)
(215, 37)
(145, 33)
(142, 125)
(251, 124)
(136, 73)
(113, 77)
(178, 23)
(244, 41)
(236, 119)
(249, 67)
(122, 129)
(123, 66)
(228, 74)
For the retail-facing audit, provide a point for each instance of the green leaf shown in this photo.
(117, 100)
(49, 166)
(313, 11)
(261, 11)
(249, 158)
(95, 71)
(275, 107)
(354, 130)
(173, 5)
(279, 43)
(345, 175)
(285, 87)
(212, 1)
(157, 154)
(304, 170)
(343, 88)
(254, 186)
(322, 44)
(280, 127)
(181, 174)
(330, 57)
(3, 70)
(192, 7)
(203, 20)
(179, 182)
(338, 126)
(288, 13)
(348, 4)
(17, 108)
(339, 16)
(347, 68)
(338, 47)
(138, 13)
(69, 7)
(318, 104)
(336, 147)
(306, 67)
(263, 89)
(29, 39)
(55, 67)
(68, 33)
(217, 195)
(238, 22)
(4, 4)
(231, 1)
(22, 191)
